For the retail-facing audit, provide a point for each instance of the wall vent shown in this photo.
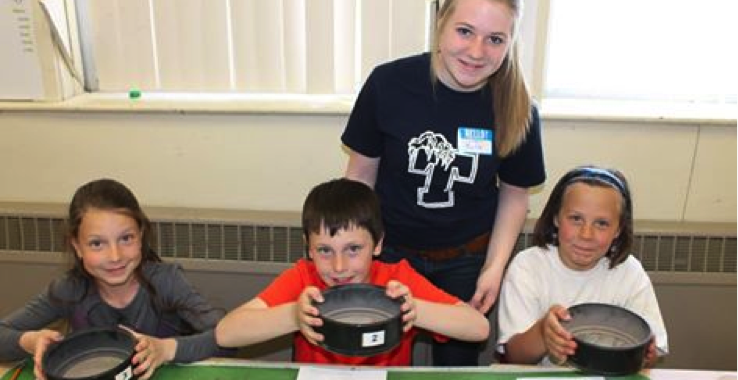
(661, 251)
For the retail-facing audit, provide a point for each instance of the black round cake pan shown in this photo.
(611, 340)
(91, 354)
(359, 320)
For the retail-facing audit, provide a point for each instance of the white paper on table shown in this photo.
(321, 373)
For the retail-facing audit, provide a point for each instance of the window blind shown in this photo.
(250, 46)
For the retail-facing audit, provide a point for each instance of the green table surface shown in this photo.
(288, 371)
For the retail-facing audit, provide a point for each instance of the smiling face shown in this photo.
(109, 247)
(587, 222)
(345, 257)
(473, 43)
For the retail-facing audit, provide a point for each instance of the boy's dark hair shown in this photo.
(545, 230)
(341, 204)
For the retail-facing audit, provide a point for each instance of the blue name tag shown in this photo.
(475, 140)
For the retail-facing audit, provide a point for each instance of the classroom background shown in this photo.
(224, 180)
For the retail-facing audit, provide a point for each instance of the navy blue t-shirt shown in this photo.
(434, 193)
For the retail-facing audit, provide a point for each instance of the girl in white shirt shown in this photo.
(581, 254)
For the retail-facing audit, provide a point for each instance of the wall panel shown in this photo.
(270, 161)
(712, 195)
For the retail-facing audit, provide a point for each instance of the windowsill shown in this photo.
(598, 110)
(276, 104)
(196, 103)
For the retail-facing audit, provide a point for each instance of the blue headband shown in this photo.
(599, 174)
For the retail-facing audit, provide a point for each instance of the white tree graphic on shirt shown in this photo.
(439, 153)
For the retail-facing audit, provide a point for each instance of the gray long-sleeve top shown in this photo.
(184, 314)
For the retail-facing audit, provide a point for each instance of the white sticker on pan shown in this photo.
(125, 374)
(372, 339)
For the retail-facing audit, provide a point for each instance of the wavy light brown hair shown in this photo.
(511, 99)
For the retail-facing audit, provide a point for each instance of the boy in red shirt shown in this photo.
(343, 229)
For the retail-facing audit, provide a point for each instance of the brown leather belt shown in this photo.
(478, 245)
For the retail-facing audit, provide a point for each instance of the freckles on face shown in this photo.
(343, 258)
(474, 43)
(109, 247)
(588, 222)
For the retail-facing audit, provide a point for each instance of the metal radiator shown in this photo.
(244, 236)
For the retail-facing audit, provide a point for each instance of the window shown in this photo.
(573, 50)
(246, 46)
(641, 50)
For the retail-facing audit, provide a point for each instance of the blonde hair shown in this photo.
(511, 99)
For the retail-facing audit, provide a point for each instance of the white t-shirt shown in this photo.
(537, 279)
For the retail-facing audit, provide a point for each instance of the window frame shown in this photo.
(533, 31)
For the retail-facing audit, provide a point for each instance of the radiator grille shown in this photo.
(662, 252)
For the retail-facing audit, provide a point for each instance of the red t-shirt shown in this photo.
(288, 286)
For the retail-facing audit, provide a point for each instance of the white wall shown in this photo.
(679, 172)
